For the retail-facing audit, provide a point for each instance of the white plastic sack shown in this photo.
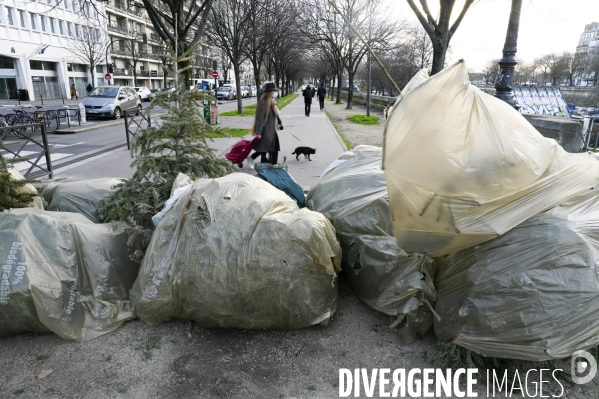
(463, 167)
(353, 196)
(79, 196)
(63, 273)
(237, 252)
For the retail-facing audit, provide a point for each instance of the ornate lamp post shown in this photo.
(507, 64)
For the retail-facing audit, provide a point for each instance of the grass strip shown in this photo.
(364, 119)
(230, 132)
(347, 144)
(250, 110)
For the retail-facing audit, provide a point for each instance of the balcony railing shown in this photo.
(121, 5)
(119, 51)
(121, 71)
(143, 74)
(118, 27)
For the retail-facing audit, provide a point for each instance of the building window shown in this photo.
(97, 34)
(76, 5)
(42, 19)
(69, 29)
(22, 16)
(52, 25)
(6, 63)
(9, 16)
(60, 27)
(77, 31)
(99, 68)
(32, 21)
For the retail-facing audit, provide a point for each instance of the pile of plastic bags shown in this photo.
(509, 216)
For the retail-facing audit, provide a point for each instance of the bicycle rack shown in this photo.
(29, 132)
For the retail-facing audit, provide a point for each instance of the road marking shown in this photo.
(65, 145)
(23, 166)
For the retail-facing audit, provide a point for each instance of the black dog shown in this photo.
(306, 151)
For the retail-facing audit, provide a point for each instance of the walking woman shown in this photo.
(265, 122)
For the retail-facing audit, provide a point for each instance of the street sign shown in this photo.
(215, 74)
(107, 76)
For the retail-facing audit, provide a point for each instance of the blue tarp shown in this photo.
(281, 179)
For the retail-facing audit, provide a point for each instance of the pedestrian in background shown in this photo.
(89, 88)
(74, 92)
(265, 123)
(322, 92)
(307, 93)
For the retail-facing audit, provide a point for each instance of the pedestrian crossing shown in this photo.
(24, 166)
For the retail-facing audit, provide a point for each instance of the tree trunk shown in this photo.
(238, 87)
(339, 75)
(439, 52)
(350, 92)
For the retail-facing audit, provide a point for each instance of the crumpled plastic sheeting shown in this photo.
(463, 167)
(532, 293)
(64, 274)
(80, 196)
(237, 252)
(353, 196)
(37, 202)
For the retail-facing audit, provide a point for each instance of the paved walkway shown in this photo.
(314, 131)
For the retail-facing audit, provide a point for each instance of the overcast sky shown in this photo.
(546, 26)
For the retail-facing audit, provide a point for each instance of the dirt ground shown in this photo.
(178, 359)
(354, 133)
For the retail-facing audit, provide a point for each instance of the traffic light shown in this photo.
(110, 68)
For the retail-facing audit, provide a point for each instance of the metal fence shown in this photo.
(34, 137)
(47, 90)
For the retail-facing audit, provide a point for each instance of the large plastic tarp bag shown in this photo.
(353, 196)
(463, 167)
(64, 274)
(80, 196)
(532, 293)
(237, 252)
(37, 202)
(281, 179)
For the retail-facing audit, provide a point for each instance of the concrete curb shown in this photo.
(336, 133)
(81, 129)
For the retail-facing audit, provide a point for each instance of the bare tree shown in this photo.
(90, 45)
(180, 23)
(134, 50)
(229, 30)
(573, 65)
(491, 71)
(438, 29)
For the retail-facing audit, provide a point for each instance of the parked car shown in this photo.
(254, 92)
(225, 93)
(111, 102)
(232, 86)
(245, 92)
(144, 93)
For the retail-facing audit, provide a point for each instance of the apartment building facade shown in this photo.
(138, 55)
(588, 45)
(36, 41)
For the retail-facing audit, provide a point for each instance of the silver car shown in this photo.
(111, 102)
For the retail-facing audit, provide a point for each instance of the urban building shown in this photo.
(137, 54)
(36, 43)
(588, 44)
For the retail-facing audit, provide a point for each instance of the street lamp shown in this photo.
(507, 64)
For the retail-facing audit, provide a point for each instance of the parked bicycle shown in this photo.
(37, 117)
(17, 118)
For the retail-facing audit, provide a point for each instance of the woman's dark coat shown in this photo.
(266, 128)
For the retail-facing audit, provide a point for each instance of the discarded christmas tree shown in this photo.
(177, 144)
(12, 191)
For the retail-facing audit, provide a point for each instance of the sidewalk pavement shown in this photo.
(315, 131)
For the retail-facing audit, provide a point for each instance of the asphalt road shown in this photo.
(67, 148)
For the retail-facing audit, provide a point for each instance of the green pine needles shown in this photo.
(12, 191)
(177, 144)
